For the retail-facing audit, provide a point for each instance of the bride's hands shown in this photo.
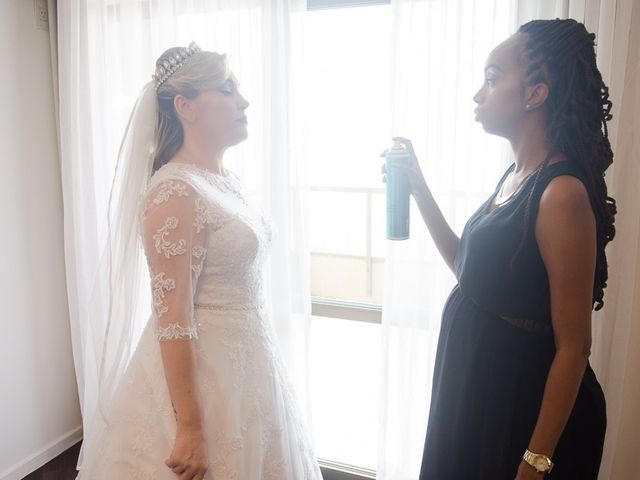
(188, 460)
(413, 171)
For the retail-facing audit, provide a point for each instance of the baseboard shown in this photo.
(46, 454)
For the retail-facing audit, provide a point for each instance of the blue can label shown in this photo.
(398, 196)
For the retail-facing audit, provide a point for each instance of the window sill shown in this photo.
(322, 307)
(338, 471)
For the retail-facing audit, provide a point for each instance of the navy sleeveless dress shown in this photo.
(494, 353)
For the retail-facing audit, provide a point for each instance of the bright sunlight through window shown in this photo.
(346, 127)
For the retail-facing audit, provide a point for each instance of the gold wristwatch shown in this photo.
(540, 462)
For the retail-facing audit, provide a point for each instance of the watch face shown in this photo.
(541, 464)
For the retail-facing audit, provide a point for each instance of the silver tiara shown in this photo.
(172, 64)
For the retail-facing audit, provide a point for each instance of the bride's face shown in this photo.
(219, 116)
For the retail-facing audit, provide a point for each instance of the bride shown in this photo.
(203, 393)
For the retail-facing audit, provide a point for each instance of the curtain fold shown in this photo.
(106, 53)
(616, 333)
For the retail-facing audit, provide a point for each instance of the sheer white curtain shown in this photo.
(439, 51)
(107, 51)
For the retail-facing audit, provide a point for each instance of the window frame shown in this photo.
(340, 471)
(333, 4)
(339, 309)
(344, 309)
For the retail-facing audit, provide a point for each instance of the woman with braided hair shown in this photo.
(513, 393)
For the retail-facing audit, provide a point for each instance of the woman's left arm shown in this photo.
(566, 235)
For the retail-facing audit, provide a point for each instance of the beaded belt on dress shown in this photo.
(220, 307)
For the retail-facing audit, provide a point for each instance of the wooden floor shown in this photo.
(63, 467)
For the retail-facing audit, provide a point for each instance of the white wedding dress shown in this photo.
(206, 246)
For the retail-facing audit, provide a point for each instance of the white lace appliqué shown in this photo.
(175, 331)
(201, 215)
(163, 245)
(204, 216)
(161, 285)
(199, 253)
(169, 188)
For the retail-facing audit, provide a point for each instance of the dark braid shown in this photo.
(561, 54)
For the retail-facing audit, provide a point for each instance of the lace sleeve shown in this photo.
(174, 245)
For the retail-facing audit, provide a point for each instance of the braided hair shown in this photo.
(561, 54)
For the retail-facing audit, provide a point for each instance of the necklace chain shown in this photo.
(516, 191)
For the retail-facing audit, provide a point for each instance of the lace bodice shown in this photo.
(206, 244)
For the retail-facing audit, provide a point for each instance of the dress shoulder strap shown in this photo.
(558, 169)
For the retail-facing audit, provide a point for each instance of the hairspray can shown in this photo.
(398, 192)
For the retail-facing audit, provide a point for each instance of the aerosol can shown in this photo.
(398, 193)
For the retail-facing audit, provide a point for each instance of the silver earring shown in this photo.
(527, 107)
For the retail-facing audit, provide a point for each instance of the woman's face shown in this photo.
(501, 99)
(219, 115)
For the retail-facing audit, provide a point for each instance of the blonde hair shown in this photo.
(204, 70)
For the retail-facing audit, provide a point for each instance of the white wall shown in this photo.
(39, 410)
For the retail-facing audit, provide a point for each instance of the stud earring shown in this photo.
(527, 107)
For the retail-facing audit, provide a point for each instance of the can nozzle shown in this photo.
(397, 145)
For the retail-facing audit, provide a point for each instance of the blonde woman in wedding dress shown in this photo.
(204, 394)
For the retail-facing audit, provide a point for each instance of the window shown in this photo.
(347, 100)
